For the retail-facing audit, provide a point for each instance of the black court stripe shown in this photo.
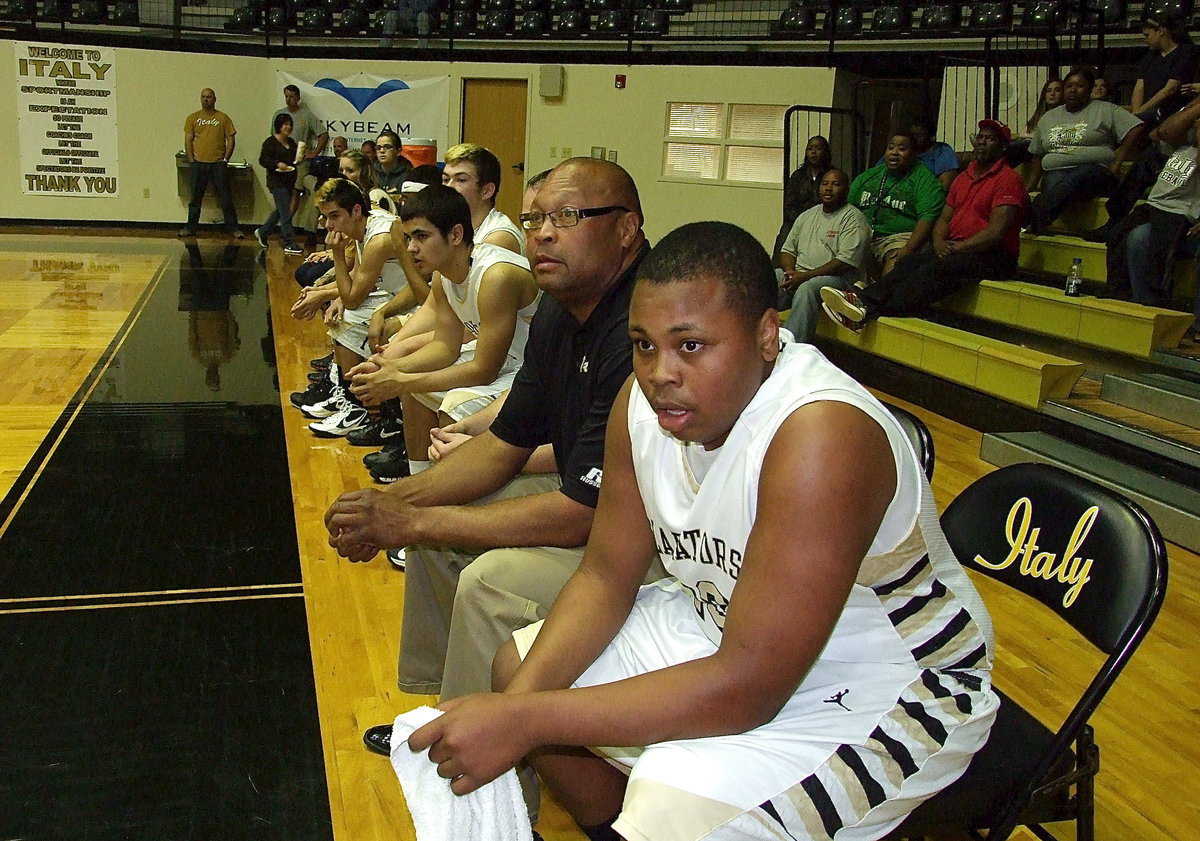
(41, 455)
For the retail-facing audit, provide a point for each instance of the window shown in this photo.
(721, 143)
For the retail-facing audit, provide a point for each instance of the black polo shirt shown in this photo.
(568, 381)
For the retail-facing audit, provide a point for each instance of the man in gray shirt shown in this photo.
(308, 129)
(826, 247)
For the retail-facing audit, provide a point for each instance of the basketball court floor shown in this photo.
(183, 655)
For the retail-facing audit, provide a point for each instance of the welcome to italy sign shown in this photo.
(67, 120)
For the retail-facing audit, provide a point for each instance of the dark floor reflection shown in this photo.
(172, 721)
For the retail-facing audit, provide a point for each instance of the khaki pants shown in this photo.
(460, 607)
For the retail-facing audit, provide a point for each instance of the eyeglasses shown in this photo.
(385, 146)
(566, 217)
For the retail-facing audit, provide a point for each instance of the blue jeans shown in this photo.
(199, 176)
(806, 303)
(281, 215)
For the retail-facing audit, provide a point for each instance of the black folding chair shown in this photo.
(1100, 564)
(918, 435)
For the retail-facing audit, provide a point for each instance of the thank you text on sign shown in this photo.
(67, 120)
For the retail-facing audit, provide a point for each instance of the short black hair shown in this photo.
(1088, 74)
(443, 206)
(291, 88)
(720, 251)
(282, 118)
(427, 174)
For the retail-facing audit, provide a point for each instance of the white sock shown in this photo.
(415, 467)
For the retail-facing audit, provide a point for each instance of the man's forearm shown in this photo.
(545, 519)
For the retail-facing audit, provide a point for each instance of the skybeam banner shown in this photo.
(361, 106)
(67, 120)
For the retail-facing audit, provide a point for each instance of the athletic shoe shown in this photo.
(317, 376)
(292, 248)
(379, 431)
(261, 236)
(389, 471)
(315, 393)
(396, 556)
(845, 308)
(327, 408)
(321, 363)
(351, 416)
(186, 232)
(389, 452)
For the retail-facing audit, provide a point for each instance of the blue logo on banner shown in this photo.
(361, 98)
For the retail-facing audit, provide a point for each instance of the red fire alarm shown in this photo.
(619, 82)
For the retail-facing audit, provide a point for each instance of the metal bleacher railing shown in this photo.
(798, 26)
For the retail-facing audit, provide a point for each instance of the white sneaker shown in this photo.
(346, 419)
(396, 556)
(331, 405)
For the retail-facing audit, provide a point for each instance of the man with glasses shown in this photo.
(391, 167)
(976, 236)
(521, 535)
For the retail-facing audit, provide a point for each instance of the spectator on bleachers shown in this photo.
(901, 199)
(941, 159)
(368, 149)
(1077, 150)
(1169, 64)
(800, 189)
(826, 247)
(1100, 89)
(977, 236)
(1049, 98)
(1142, 246)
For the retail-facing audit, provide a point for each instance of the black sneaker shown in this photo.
(386, 455)
(322, 363)
(315, 393)
(387, 470)
(381, 430)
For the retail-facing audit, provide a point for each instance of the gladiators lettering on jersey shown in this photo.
(699, 546)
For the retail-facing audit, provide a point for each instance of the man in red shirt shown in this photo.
(976, 237)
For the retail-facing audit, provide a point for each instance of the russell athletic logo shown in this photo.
(362, 98)
(593, 477)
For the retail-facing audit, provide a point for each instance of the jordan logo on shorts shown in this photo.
(837, 697)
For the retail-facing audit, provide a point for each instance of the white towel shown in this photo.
(494, 812)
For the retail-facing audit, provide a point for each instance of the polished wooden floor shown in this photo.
(1149, 757)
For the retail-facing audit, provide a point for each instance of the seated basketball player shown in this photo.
(484, 289)
(771, 686)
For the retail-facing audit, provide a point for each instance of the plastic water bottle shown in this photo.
(1074, 278)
